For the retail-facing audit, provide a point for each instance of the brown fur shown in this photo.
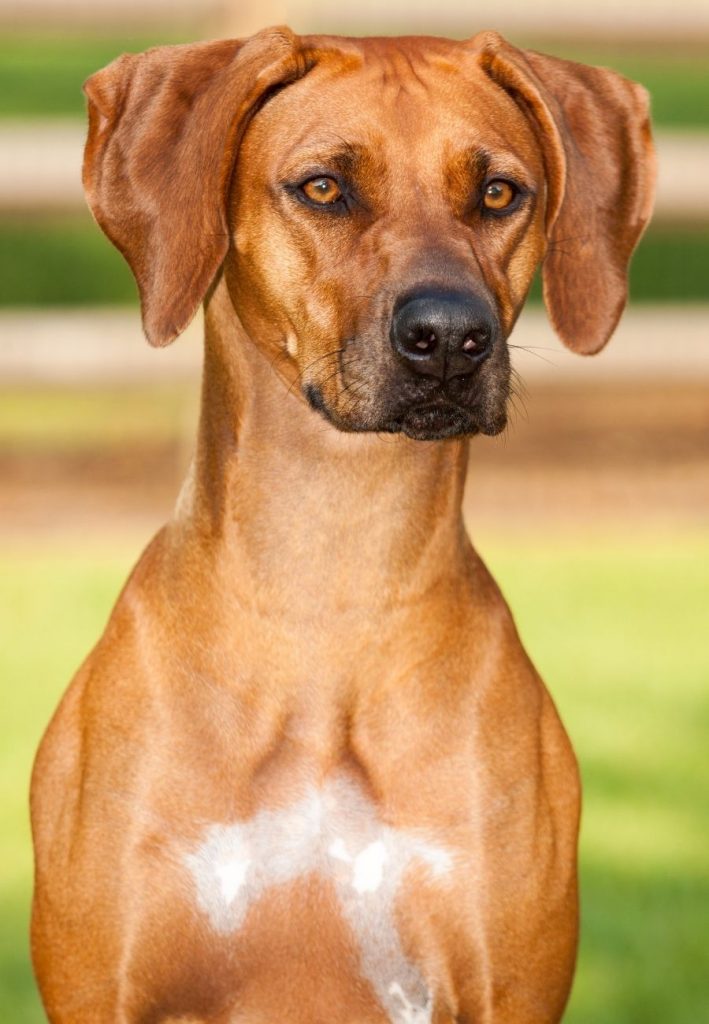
(314, 603)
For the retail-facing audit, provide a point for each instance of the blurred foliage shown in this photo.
(671, 264)
(678, 81)
(67, 261)
(595, 616)
(41, 76)
(61, 261)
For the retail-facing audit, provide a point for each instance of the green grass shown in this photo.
(618, 630)
(41, 75)
(51, 611)
(67, 261)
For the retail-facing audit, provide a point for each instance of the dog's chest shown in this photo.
(335, 835)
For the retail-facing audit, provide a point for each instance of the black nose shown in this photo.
(443, 334)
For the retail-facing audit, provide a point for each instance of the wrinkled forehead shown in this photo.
(399, 100)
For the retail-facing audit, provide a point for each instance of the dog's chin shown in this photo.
(433, 421)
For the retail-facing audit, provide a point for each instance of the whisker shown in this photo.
(533, 352)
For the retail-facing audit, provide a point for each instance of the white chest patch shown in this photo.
(335, 832)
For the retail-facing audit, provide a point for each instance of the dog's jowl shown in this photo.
(308, 772)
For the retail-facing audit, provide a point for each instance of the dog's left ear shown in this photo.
(594, 131)
(164, 128)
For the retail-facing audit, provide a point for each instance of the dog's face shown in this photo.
(378, 208)
(388, 215)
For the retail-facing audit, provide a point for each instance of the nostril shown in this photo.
(420, 341)
(477, 342)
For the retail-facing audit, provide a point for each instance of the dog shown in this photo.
(308, 773)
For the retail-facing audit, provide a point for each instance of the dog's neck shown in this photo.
(286, 501)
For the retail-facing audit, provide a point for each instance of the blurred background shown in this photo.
(592, 510)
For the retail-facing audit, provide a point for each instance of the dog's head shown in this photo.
(378, 207)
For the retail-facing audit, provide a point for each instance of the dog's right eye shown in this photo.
(323, 191)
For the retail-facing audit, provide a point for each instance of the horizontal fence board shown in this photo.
(104, 344)
(41, 169)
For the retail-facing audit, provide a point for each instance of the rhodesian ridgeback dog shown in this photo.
(308, 773)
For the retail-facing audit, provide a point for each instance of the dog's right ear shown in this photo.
(164, 129)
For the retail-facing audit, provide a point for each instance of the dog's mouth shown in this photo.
(434, 421)
(372, 395)
(423, 421)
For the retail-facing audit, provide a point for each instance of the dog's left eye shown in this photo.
(499, 195)
(323, 191)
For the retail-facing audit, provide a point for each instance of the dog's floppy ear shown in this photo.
(594, 131)
(164, 127)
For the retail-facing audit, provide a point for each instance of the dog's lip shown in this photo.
(439, 405)
(434, 420)
(444, 402)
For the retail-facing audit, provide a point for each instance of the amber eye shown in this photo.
(499, 195)
(323, 191)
